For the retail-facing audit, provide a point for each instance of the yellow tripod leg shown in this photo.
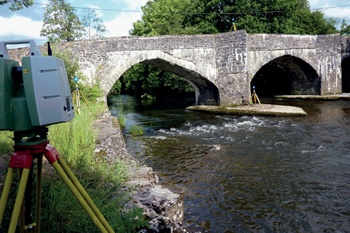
(78, 100)
(19, 200)
(85, 195)
(79, 197)
(5, 192)
(85, 100)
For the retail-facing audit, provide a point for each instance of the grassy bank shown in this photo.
(61, 212)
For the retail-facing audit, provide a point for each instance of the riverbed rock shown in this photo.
(163, 208)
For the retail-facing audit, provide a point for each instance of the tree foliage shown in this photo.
(164, 17)
(60, 22)
(148, 82)
(344, 28)
(17, 4)
(93, 25)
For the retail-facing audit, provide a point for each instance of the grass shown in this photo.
(6, 142)
(136, 130)
(121, 119)
(61, 212)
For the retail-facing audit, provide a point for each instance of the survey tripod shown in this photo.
(255, 98)
(76, 95)
(26, 150)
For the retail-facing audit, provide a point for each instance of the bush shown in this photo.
(136, 130)
(6, 142)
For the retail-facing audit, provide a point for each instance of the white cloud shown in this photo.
(135, 5)
(20, 26)
(339, 13)
(121, 24)
(336, 9)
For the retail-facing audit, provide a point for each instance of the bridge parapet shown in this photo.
(272, 42)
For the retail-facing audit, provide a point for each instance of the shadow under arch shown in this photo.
(345, 73)
(206, 92)
(286, 75)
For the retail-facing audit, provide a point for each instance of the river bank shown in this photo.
(163, 208)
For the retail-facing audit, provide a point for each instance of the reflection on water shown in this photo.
(253, 174)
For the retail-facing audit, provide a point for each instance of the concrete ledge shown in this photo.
(252, 110)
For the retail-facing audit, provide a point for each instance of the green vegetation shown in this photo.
(63, 23)
(75, 141)
(136, 130)
(148, 82)
(6, 142)
(61, 212)
(121, 119)
(166, 17)
(18, 4)
(344, 28)
(92, 23)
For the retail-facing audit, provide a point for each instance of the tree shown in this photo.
(261, 16)
(60, 22)
(93, 24)
(146, 81)
(162, 17)
(217, 16)
(344, 28)
(17, 4)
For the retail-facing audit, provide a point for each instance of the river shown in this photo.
(250, 173)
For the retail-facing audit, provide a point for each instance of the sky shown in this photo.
(118, 16)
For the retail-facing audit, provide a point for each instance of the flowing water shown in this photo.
(250, 173)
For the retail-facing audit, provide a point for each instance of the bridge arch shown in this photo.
(345, 66)
(206, 91)
(286, 75)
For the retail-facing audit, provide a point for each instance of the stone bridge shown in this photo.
(222, 68)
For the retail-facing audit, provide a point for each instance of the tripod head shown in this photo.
(34, 95)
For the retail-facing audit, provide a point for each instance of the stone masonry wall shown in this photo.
(110, 58)
(322, 52)
(329, 63)
(231, 62)
(271, 42)
(228, 61)
(264, 48)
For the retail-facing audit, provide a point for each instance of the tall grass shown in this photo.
(121, 119)
(6, 142)
(61, 212)
(137, 130)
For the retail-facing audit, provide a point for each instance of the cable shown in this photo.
(196, 13)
